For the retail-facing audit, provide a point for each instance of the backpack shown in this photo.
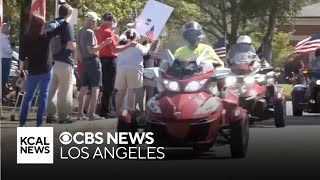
(55, 44)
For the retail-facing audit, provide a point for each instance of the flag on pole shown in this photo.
(1, 13)
(308, 45)
(150, 34)
(56, 14)
(134, 16)
(220, 47)
(38, 7)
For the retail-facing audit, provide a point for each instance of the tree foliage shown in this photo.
(281, 49)
(11, 12)
(218, 17)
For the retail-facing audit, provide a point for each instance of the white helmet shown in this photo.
(244, 39)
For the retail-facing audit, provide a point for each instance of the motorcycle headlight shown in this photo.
(210, 106)
(213, 88)
(195, 85)
(252, 93)
(248, 80)
(152, 105)
(318, 82)
(243, 89)
(230, 80)
(171, 85)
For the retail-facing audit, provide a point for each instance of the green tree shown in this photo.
(272, 11)
(122, 9)
(11, 12)
(281, 48)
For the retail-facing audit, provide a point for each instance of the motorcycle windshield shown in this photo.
(193, 66)
(242, 59)
(242, 54)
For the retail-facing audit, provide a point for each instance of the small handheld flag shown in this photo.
(150, 34)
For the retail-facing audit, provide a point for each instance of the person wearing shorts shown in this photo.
(91, 73)
(129, 72)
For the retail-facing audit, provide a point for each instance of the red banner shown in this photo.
(38, 7)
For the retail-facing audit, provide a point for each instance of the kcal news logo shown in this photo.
(35, 145)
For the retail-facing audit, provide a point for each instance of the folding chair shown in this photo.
(21, 83)
(75, 101)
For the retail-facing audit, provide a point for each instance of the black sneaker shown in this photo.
(52, 120)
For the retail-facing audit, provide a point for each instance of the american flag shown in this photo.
(308, 45)
(220, 47)
(150, 34)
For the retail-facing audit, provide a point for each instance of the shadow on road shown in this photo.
(308, 120)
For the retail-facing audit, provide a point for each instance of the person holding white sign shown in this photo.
(130, 73)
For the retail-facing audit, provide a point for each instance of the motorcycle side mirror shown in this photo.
(271, 74)
(170, 58)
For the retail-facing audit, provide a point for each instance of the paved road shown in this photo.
(274, 153)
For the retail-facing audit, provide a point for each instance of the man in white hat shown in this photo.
(91, 75)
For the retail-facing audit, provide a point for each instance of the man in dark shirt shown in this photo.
(62, 55)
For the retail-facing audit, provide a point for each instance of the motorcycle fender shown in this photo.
(299, 87)
(238, 114)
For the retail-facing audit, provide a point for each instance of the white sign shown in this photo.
(35, 145)
(154, 14)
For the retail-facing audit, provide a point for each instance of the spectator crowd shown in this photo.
(109, 74)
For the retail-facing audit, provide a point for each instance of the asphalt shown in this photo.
(292, 152)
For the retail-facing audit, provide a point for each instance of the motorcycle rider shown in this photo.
(192, 33)
(244, 44)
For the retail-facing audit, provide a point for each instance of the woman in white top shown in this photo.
(129, 71)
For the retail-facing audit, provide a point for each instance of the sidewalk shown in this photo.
(8, 128)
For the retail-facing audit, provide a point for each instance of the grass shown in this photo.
(287, 88)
